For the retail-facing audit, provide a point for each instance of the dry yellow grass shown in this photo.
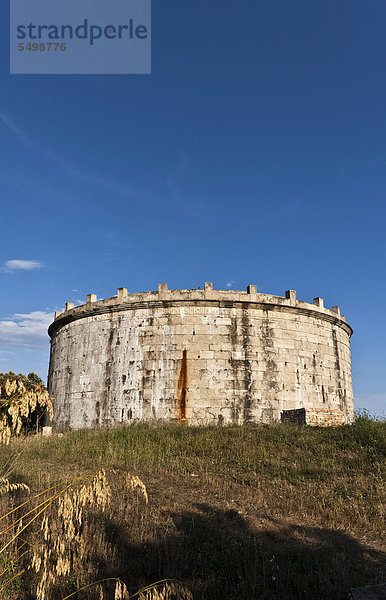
(276, 513)
(64, 540)
(166, 591)
(6, 487)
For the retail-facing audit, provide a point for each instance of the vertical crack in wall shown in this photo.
(241, 408)
(182, 391)
(341, 393)
(68, 393)
(234, 365)
(247, 404)
(68, 385)
(104, 407)
(271, 372)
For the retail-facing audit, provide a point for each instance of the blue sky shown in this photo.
(254, 153)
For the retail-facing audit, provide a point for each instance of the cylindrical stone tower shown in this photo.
(199, 357)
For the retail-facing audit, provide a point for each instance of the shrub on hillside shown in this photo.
(23, 402)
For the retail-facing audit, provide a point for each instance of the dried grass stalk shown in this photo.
(168, 591)
(68, 536)
(6, 487)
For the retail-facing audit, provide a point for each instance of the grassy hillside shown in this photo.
(270, 512)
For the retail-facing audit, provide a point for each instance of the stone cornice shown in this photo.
(164, 298)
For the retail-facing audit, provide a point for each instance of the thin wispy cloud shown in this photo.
(28, 330)
(29, 142)
(139, 197)
(371, 397)
(121, 188)
(374, 403)
(10, 266)
(19, 133)
(177, 196)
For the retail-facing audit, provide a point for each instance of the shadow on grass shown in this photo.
(218, 554)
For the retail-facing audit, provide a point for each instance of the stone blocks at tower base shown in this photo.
(325, 417)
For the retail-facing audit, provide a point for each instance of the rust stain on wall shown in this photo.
(182, 390)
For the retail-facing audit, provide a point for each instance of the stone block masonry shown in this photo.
(198, 357)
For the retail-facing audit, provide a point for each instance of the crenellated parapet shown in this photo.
(251, 297)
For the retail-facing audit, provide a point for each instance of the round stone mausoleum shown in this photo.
(200, 357)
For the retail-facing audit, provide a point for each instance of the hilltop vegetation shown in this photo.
(23, 402)
(271, 512)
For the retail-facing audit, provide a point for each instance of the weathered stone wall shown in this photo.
(199, 356)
